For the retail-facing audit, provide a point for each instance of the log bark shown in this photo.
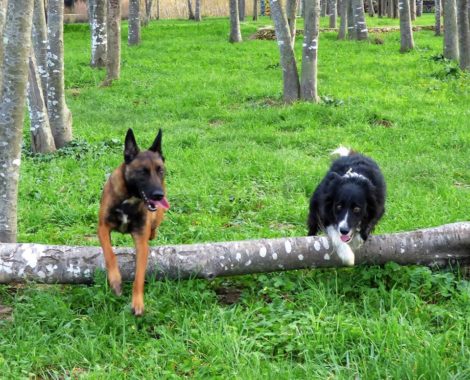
(17, 49)
(435, 247)
(235, 34)
(406, 32)
(308, 84)
(451, 36)
(290, 75)
(60, 117)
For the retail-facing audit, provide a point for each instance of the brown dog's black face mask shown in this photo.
(145, 172)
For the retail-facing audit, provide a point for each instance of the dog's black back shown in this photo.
(354, 184)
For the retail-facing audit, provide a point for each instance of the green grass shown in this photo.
(242, 165)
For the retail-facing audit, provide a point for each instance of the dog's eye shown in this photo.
(160, 170)
(356, 210)
(338, 207)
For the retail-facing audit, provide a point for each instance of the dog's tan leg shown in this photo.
(142, 251)
(114, 276)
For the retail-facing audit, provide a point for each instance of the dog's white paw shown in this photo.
(346, 254)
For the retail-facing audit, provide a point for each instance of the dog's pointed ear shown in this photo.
(130, 147)
(157, 144)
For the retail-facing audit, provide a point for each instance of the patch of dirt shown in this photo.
(6, 313)
(228, 295)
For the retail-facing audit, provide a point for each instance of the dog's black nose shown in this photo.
(157, 195)
(344, 231)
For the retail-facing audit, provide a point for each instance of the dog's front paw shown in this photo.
(137, 306)
(114, 280)
(346, 255)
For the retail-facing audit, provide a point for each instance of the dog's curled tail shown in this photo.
(342, 152)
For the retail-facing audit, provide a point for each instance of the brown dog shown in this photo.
(134, 202)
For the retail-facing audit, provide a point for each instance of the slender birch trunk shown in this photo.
(42, 140)
(241, 10)
(343, 26)
(464, 33)
(17, 48)
(406, 31)
(447, 245)
(60, 117)
(113, 62)
(333, 14)
(255, 10)
(371, 8)
(235, 34)
(190, 11)
(352, 31)
(3, 13)
(308, 84)
(437, 14)
(360, 20)
(323, 5)
(291, 7)
(39, 35)
(133, 36)
(289, 67)
(197, 12)
(419, 8)
(98, 34)
(451, 36)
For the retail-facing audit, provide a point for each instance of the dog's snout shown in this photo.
(157, 195)
(344, 231)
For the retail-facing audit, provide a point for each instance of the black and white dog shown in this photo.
(348, 202)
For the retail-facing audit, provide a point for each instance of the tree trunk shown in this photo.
(434, 247)
(464, 33)
(241, 10)
(235, 34)
(17, 48)
(133, 35)
(333, 14)
(3, 13)
(42, 140)
(352, 31)
(343, 26)
(197, 13)
(289, 67)
(437, 14)
(39, 35)
(406, 32)
(419, 8)
(360, 20)
(263, 8)
(60, 116)
(113, 63)
(98, 34)
(390, 7)
(308, 85)
(451, 37)
(371, 8)
(255, 10)
(323, 5)
(291, 7)
(413, 10)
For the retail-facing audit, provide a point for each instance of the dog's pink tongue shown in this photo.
(163, 203)
(345, 238)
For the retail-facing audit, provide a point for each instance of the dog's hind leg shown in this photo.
(114, 276)
(142, 251)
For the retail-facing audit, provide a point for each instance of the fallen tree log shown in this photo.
(440, 246)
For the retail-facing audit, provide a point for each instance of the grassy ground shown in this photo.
(240, 166)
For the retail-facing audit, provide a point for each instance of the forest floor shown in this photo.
(241, 165)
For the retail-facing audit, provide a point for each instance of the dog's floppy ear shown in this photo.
(130, 147)
(331, 181)
(157, 144)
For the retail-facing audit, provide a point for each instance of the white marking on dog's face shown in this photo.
(343, 250)
(343, 224)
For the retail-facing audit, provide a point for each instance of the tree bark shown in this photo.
(39, 35)
(190, 11)
(98, 34)
(451, 36)
(255, 10)
(113, 62)
(413, 10)
(434, 247)
(241, 10)
(235, 34)
(197, 12)
(17, 48)
(371, 8)
(464, 33)
(343, 26)
(308, 85)
(419, 8)
(133, 35)
(42, 140)
(359, 20)
(437, 14)
(291, 7)
(333, 14)
(406, 32)
(323, 5)
(3, 13)
(284, 40)
(352, 31)
(60, 116)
